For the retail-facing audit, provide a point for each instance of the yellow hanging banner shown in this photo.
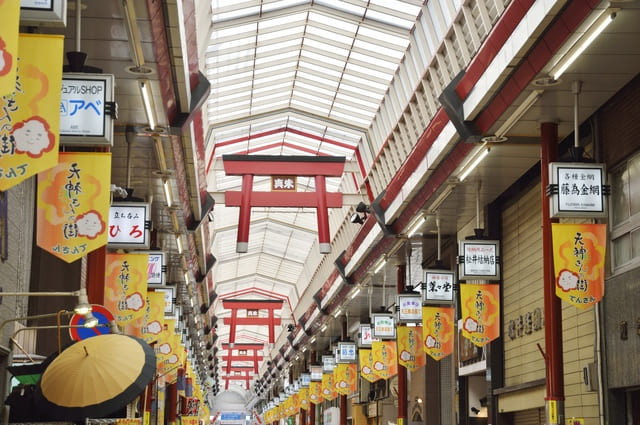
(10, 12)
(303, 396)
(154, 317)
(315, 392)
(73, 205)
(30, 116)
(578, 262)
(410, 352)
(344, 377)
(366, 364)
(480, 312)
(438, 331)
(328, 387)
(125, 289)
(384, 356)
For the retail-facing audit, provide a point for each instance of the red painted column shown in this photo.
(255, 361)
(244, 221)
(312, 407)
(172, 404)
(554, 398)
(322, 212)
(272, 326)
(401, 274)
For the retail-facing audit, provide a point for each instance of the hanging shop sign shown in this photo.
(305, 379)
(157, 269)
(344, 376)
(38, 12)
(365, 335)
(409, 308)
(410, 352)
(438, 331)
(347, 352)
(73, 205)
(479, 259)
(10, 12)
(366, 364)
(578, 261)
(384, 326)
(129, 225)
(30, 114)
(438, 286)
(384, 357)
(87, 109)
(480, 305)
(577, 190)
(315, 373)
(328, 363)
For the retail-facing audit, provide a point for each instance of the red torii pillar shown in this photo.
(319, 167)
(247, 347)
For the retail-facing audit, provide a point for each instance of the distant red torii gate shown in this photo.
(248, 166)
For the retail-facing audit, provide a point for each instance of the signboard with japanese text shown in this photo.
(73, 204)
(578, 261)
(39, 12)
(438, 286)
(284, 183)
(366, 365)
(125, 290)
(168, 293)
(384, 326)
(578, 190)
(315, 373)
(410, 352)
(157, 267)
(409, 308)
(29, 115)
(129, 225)
(384, 357)
(347, 352)
(480, 305)
(85, 104)
(365, 335)
(305, 379)
(328, 363)
(479, 259)
(438, 331)
(10, 12)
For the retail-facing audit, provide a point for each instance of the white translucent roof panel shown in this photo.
(291, 77)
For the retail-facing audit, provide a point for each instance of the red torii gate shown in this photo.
(254, 357)
(248, 166)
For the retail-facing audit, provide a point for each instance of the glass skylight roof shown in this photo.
(291, 77)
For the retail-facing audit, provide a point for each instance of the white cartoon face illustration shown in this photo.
(430, 342)
(405, 356)
(135, 301)
(173, 359)
(164, 348)
(378, 366)
(470, 325)
(90, 225)
(567, 280)
(32, 137)
(154, 327)
(343, 384)
(366, 370)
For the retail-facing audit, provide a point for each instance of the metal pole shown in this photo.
(402, 371)
(554, 398)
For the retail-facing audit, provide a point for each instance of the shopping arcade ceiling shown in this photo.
(292, 78)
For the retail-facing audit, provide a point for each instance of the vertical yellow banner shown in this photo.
(328, 387)
(315, 392)
(578, 260)
(154, 317)
(10, 12)
(125, 289)
(30, 117)
(366, 364)
(438, 331)
(303, 396)
(480, 312)
(384, 356)
(73, 205)
(410, 352)
(344, 376)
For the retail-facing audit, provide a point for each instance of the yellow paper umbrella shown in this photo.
(95, 377)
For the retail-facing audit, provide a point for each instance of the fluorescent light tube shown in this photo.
(473, 164)
(147, 101)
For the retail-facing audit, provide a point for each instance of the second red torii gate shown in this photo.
(248, 166)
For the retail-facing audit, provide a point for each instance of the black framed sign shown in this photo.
(38, 12)
(479, 259)
(438, 286)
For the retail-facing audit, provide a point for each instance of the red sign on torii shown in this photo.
(249, 166)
